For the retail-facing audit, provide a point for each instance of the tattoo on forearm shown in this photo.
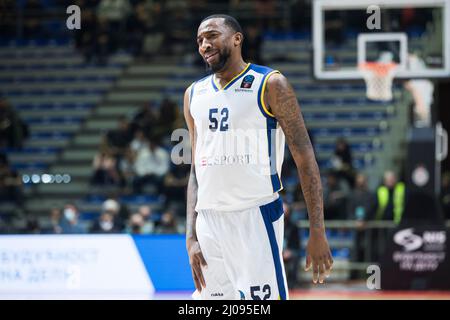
(191, 202)
(287, 111)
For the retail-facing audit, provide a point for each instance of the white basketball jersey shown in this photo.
(240, 145)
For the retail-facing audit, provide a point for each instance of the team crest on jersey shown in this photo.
(247, 81)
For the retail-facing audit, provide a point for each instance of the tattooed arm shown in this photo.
(283, 103)
(196, 258)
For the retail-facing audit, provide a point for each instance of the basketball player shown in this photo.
(234, 213)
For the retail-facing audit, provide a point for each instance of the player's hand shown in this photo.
(318, 257)
(197, 260)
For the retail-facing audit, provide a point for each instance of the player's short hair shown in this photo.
(229, 21)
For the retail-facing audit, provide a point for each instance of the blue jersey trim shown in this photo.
(213, 84)
(272, 212)
(265, 71)
(236, 78)
(271, 127)
(248, 67)
(260, 69)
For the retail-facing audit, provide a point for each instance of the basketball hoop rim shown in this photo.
(378, 68)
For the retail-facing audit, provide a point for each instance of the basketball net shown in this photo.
(378, 77)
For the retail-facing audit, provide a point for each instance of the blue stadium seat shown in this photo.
(342, 253)
(42, 120)
(139, 199)
(29, 166)
(30, 150)
(89, 216)
(95, 198)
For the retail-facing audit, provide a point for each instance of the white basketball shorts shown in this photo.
(243, 252)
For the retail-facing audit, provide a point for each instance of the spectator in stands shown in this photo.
(361, 207)
(13, 131)
(126, 164)
(32, 226)
(146, 119)
(104, 42)
(151, 165)
(334, 28)
(115, 13)
(252, 46)
(390, 198)
(105, 169)
(55, 222)
(118, 211)
(342, 162)
(169, 119)
(168, 224)
(145, 29)
(178, 28)
(119, 139)
(362, 203)
(105, 224)
(126, 167)
(335, 197)
(85, 4)
(175, 183)
(265, 11)
(149, 223)
(136, 29)
(291, 251)
(10, 183)
(3, 226)
(139, 141)
(86, 37)
(135, 224)
(445, 194)
(8, 24)
(32, 23)
(70, 223)
(300, 15)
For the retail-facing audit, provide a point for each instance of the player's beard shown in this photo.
(224, 55)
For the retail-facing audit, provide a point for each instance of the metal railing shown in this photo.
(372, 234)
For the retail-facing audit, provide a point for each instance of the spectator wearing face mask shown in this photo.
(105, 224)
(149, 223)
(118, 211)
(168, 224)
(135, 224)
(70, 223)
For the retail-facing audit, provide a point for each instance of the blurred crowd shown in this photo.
(136, 154)
(147, 27)
(114, 217)
(13, 130)
(348, 196)
(134, 158)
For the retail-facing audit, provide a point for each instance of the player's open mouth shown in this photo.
(208, 57)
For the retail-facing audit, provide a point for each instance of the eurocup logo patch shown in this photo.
(247, 81)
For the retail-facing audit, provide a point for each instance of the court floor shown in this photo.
(337, 291)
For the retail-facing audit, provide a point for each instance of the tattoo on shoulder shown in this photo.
(287, 112)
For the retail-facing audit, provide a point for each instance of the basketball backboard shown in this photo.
(415, 34)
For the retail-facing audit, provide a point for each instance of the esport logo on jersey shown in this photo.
(247, 81)
(224, 160)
